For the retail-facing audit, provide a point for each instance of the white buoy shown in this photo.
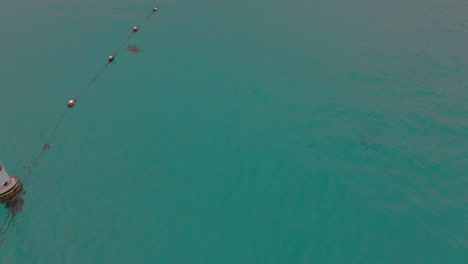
(10, 187)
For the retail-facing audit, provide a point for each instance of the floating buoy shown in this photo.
(10, 186)
(155, 9)
(111, 58)
(71, 103)
(135, 29)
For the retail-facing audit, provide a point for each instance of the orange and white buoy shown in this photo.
(135, 29)
(110, 58)
(155, 9)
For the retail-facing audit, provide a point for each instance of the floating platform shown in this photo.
(10, 186)
(12, 189)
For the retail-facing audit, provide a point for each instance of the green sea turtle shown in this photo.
(133, 48)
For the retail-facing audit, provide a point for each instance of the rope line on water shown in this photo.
(62, 118)
(13, 211)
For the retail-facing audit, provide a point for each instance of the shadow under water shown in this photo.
(16, 205)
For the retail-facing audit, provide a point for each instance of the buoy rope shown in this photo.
(46, 145)
(91, 82)
(62, 118)
(5, 227)
(114, 54)
(20, 168)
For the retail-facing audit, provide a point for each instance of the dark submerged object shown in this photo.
(15, 206)
(46, 147)
(133, 48)
(369, 140)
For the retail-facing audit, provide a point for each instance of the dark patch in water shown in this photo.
(15, 206)
(368, 140)
(46, 147)
(133, 48)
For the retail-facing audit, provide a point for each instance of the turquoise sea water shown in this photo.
(244, 132)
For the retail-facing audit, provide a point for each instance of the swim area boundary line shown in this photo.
(46, 146)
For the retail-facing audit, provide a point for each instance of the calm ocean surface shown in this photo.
(244, 132)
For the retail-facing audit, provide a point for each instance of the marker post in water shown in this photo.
(10, 187)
